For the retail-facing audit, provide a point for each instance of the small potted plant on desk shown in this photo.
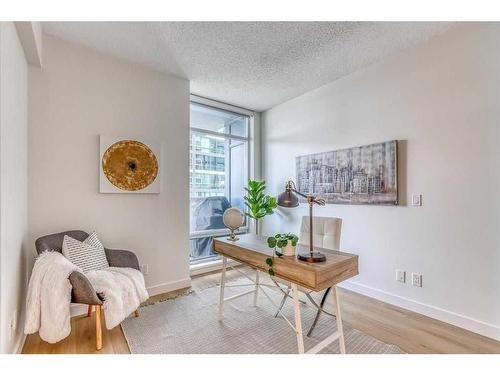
(286, 243)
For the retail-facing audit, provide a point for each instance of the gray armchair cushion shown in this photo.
(83, 292)
(122, 258)
(55, 241)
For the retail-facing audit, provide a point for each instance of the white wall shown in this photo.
(30, 36)
(441, 100)
(78, 95)
(13, 185)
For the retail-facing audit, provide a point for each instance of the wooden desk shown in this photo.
(253, 251)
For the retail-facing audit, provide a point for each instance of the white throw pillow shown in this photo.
(89, 255)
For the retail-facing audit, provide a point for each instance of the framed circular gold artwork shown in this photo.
(128, 166)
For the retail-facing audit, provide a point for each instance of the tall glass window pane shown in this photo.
(218, 174)
(239, 171)
(217, 120)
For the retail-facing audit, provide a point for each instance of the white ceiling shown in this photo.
(255, 65)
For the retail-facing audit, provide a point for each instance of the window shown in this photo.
(218, 171)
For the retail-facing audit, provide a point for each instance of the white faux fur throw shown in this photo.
(49, 295)
(123, 290)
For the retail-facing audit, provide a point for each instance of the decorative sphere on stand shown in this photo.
(233, 218)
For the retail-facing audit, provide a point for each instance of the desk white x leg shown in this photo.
(298, 319)
(222, 286)
(338, 335)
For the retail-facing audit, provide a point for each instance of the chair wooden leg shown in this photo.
(89, 310)
(98, 327)
(136, 313)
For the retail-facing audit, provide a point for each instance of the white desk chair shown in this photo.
(327, 236)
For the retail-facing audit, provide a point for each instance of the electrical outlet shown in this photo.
(416, 279)
(401, 276)
(13, 325)
(416, 200)
(144, 269)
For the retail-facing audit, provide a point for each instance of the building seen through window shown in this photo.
(218, 171)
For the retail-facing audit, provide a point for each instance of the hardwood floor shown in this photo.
(412, 332)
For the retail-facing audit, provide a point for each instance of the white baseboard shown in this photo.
(78, 309)
(169, 287)
(462, 321)
(20, 345)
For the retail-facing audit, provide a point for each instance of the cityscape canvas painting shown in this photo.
(358, 175)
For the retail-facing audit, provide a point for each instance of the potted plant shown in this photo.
(259, 204)
(286, 243)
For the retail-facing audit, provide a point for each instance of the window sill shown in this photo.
(210, 266)
(216, 233)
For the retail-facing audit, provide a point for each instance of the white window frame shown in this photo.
(250, 141)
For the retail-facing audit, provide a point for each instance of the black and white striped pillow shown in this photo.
(89, 255)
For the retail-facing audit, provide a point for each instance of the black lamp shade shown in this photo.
(288, 199)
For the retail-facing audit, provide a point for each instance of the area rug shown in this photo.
(189, 325)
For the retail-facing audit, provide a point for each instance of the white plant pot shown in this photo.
(289, 249)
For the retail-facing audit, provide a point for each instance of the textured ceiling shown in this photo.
(256, 65)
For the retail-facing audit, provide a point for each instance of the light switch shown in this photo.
(401, 276)
(416, 200)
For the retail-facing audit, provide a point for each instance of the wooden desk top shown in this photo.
(253, 251)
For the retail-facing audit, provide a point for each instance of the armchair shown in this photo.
(83, 292)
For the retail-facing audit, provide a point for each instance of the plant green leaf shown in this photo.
(271, 242)
(282, 242)
(258, 204)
